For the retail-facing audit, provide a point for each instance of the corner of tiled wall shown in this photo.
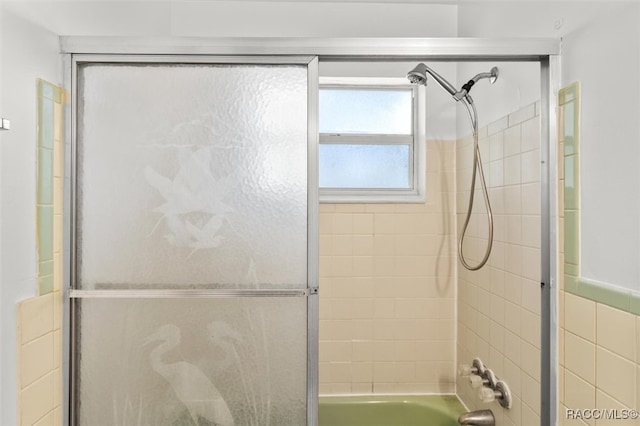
(387, 307)
(599, 347)
(39, 319)
(499, 305)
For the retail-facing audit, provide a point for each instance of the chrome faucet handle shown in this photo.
(477, 381)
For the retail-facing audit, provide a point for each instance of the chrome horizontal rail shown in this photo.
(221, 293)
(442, 48)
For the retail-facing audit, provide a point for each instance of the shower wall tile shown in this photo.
(37, 359)
(521, 115)
(580, 316)
(35, 317)
(387, 294)
(499, 305)
(580, 357)
(582, 395)
(613, 330)
(530, 134)
(496, 126)
(616, 376)
(37, 401)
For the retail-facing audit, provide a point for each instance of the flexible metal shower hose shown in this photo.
(477, 167)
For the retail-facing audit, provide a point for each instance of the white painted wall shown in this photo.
(242, 18)
(28, 52)
(605, 58)
(529, 18)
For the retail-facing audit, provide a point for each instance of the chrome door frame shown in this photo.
(546, 51)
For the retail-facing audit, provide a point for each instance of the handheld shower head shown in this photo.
(418, 75)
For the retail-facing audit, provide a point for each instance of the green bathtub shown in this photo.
(415, 410)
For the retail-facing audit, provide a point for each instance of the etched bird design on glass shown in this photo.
(191, 386)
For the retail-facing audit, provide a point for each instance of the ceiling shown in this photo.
(312, 18)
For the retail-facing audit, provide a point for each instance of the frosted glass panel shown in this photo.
(364, 166)
(192, 362)
(192, 176)
(366, 111)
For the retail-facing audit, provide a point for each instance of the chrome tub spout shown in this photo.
(477, 418)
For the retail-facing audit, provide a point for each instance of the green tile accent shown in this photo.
(45, 268)
(615, 297)
(570, 125)
(45, 89)
(49, 91)
(569, 130)
(571, 284)
(571, 176)
(48, 96)
(45, 285)
(569, 93)
(571, 240)
(45, 123)
(45, 233)
(571, 270)
(45, 176)
(634, 303)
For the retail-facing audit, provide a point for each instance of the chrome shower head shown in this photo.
(418, 75)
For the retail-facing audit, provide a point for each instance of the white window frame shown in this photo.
(416, 193)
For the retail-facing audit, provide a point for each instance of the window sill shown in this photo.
(371, 197)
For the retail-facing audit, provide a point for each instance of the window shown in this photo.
(371, 140)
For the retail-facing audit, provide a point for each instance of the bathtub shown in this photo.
(415, 410)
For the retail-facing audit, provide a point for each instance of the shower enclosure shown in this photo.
(194, 262)
(191, 211)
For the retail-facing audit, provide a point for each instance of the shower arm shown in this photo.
(443, 83)
(466, 88)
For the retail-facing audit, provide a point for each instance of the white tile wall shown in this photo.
(597, 377)
(499, 305)
(387, 293)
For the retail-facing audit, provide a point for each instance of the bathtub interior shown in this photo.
(397, 410)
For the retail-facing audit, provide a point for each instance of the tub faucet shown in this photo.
(477, 418)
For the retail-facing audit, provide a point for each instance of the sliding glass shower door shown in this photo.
(194, 259)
